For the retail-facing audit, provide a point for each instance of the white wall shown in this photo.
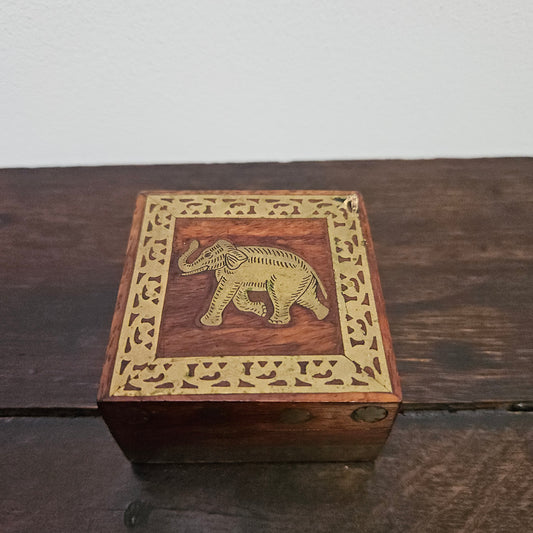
(109, 81)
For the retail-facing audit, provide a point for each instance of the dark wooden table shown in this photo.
(454, 242)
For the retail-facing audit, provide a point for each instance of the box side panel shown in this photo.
(122, 297)
(164, 432)
(380, 301)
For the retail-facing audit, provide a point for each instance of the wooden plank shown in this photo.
(461, 472)
(453, 241)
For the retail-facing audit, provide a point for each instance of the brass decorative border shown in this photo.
(361, 368)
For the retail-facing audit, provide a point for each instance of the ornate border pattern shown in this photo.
(361, 368)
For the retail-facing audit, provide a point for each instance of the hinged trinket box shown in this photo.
(249, 326)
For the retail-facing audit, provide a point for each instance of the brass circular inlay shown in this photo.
(369, 413)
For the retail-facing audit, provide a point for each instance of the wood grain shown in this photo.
(461, 473)
(187, 297)
(240, 427)
(155, 431)
(453, 241)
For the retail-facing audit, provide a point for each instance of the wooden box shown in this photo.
(249, 326)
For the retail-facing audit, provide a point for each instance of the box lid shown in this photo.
(250, 294)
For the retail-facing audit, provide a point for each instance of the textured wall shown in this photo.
(112, 81)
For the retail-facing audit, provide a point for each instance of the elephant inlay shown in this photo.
(285, 276)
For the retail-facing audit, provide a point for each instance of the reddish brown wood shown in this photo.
(224, 431)
(323, 263)
(188, 297)
(242, 427)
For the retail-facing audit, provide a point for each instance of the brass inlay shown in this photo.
(286, 277)
(361, 368)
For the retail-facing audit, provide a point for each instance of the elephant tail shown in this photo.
(322, 288)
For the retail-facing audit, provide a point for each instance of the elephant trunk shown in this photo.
(188, 268)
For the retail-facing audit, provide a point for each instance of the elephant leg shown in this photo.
(223, 295)
(282, 294)
(243, 303)
(309, 299)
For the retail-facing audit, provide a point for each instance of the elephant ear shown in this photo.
(235, 258)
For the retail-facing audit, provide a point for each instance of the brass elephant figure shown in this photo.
(286, 277)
